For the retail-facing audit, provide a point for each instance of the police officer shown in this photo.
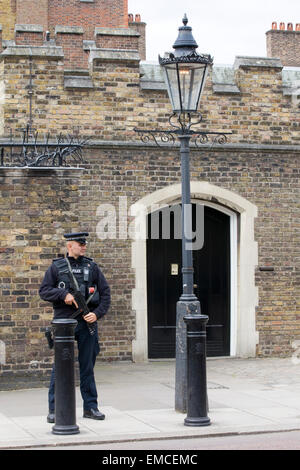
(55, 288)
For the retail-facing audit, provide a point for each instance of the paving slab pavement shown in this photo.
(245, 396)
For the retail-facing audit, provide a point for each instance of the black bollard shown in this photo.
(65, 405)
(197, 404)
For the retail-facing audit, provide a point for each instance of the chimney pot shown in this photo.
(290, 27)
(274, 25)
(298, 27)
(138, 18)
(282, 26)
(130, 17)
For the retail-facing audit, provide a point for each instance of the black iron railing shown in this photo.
(31, 150)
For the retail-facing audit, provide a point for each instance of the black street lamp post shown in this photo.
(185, 73)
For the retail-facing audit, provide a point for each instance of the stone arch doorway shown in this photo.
(244, 258)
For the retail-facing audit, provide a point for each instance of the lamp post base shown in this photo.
(197, 421)
(64, 430)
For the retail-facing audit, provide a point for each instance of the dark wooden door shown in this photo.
(212, 284)
(212, 277)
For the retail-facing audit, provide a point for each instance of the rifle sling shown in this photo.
(72, 275)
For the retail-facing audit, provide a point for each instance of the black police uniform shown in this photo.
(54, 288)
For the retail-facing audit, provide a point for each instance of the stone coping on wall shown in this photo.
(49, 52)
(248, 61)
(120, 55)
(223, 76)
(223, 80)
(79, 79)
(116, 32)
(29, 28)
(291, 81)
(59, 29)
(151, 76)
(88, 45)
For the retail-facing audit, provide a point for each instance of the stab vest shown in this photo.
(82, 273)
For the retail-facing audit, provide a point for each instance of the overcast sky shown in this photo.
(222, 28)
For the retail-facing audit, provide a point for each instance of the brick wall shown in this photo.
(71, 40)
(29, 35)
(85, 13)
(29, 238)
(2, 99)
(38, 207)
(116, 104)
(116, 41)
(64, 19)
(284, 43)
(108, 13)
(8, 17)
(32, 12)
(48, 75)
(100, 111)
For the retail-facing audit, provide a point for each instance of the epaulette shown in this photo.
(60, 262)
(58, 259)
(90, 262)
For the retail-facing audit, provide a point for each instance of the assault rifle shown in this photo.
(83, 308)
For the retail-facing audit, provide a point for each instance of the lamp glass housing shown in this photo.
(185, 83)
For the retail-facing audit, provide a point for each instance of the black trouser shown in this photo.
(88, 349)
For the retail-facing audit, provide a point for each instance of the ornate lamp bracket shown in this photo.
(182, 124)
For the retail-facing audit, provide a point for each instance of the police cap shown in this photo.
(79, 237)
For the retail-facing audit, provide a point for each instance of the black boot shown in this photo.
(51, 417)
(93, 413)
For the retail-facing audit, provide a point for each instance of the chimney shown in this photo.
(135, 22)
(284, 43)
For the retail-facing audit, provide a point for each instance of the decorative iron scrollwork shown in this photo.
(219, 138)
(166, 138)
(193, 58)
(182, 124)
(157, 136)
(29, 151)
